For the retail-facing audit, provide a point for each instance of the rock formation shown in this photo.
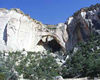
(82, 24)
(20, 32)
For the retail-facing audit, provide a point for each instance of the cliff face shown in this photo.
(82, 24)
(17, 31)
(20, 32)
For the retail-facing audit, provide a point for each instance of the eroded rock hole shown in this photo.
(53, 45)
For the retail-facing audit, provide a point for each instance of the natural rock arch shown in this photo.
(50, 44)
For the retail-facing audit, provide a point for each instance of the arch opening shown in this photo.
(51, 45)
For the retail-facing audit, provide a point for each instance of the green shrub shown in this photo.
(39, 67)
(2, 76)
(84, 62)
(8, 64)
(34, 66)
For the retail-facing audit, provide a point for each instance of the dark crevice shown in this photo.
(52, 45)
(5, 35)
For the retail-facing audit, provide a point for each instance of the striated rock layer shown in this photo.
(20, 32)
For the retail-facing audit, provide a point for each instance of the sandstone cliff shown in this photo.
(20, 32)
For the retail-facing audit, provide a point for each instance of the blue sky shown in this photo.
(48, 11)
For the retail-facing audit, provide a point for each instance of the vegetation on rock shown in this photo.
(85, 62)
(34, 66)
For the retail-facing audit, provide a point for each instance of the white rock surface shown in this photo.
(70, 20)
(62, 35)
(58, 78)
(20, 32)
(83, 14)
